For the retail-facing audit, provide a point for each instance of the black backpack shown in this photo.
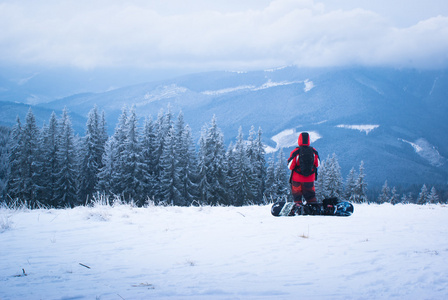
(306, 160)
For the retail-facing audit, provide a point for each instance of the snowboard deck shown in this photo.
(329, 207)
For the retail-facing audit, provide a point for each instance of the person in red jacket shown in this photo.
(303, 163)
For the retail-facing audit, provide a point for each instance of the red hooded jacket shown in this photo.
(304, 140)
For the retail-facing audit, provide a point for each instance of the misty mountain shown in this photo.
(393, 120)
(9, 111)
(41, 85)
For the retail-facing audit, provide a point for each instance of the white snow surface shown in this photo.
(160, 93)
(362, 128)
(289, 138)
(308, 85)
(427, 151)
(380, 252)
(268, 84)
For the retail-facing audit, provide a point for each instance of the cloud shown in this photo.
(259, 34)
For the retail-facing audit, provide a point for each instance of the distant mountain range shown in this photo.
(394, 120)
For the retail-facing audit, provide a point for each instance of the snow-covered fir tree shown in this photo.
(103, 129)
(119, 140)
(360, 190)
(423, 196)
(257, 157)
(187, 163)
(330, 183)
(321, 182)
(277, 178)
(212, 166)
(110, 174)
(91, 153)
(433, 198)
(163, 125)
(169, 174)
(4, 138)
(150, 157)
(394, 197)
(282, 174)
(133, 172)
(350, 183)
(66, 185)
(30, 162)
(404, 199)
(230, 159)
(241, 182)
(269, 195)
(104, 185)
(385, 194)
(49, 162)
(410, 198)
(15, 158)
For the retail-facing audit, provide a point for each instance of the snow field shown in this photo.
(380, 252)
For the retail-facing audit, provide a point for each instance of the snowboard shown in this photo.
(328, 207)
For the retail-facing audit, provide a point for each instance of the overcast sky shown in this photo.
(224, 34)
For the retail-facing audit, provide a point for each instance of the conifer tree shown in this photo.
(410, 198)
(241, 181)
(269, 191)
(92, 150)
(133, 170)
(66, 184)
(49, 161)
(15, 161)
(433, 198)
(394, 197)
(103, 129)
(30, 160)
(360, 190)
(4, 138)
(163, 125)
(149, 156)
(169, 171)
(404, 199)
(282, 187)
(257, 157)
(108, 160)
(117, 157)
(186, 161)
(350, 183)
(230, 159)
(277, 178)
(322, 184)
(385, 194)
(423, 196)
(332, 178)
(212, 169)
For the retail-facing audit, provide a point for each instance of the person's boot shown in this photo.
(298, 208)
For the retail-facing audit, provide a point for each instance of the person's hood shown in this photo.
(304, 139)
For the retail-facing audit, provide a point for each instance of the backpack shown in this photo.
(306, 160)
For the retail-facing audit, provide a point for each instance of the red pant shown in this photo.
(305, 189)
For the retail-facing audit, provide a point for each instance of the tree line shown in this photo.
(158, 162)
(354, 189)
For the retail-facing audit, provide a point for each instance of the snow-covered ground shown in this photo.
(380, 252)
(268, 84)
(288, 138)
(427, 151)
(362, 128)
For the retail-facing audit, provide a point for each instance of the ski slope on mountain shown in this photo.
(123, 252)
